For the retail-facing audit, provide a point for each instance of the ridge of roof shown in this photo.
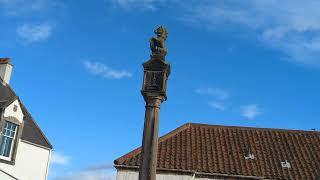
(250, 128)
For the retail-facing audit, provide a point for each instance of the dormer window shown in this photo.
(7, 140)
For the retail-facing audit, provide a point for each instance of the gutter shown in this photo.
(40, 146)
(193, 173)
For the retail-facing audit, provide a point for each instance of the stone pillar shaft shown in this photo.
(154, 92)
(149, 153)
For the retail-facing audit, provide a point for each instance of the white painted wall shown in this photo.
(133, 175)
(10, 112)
(4, 176)
(31, 162)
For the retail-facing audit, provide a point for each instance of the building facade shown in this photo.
(209, 152)
(24, 149)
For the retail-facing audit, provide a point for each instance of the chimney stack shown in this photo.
(5, 69)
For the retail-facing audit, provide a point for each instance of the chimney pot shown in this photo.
(4, 60)
(5, 69)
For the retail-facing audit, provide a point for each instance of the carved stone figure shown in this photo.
(158, 44)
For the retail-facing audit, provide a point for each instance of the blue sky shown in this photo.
(78, 69)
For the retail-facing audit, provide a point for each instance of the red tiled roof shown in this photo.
(211, 149)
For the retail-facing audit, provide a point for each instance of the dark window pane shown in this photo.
(5, 146)
(6, 140)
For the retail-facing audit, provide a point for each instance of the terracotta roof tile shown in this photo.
(222, 150)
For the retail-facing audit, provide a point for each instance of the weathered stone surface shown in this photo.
(158, 44)
(156, 73)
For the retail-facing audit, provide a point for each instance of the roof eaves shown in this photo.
(28, 142)
(190, 172)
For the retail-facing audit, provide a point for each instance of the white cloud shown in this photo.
(290, 26)
(22, 7)
(217, 97)
(34, 32)
(103, 171)
(90, 175)
(100, 69)
(141, 4)
(213, 92)
(103, 166)
(127, 4)
(217, 105)
(59, 159)
(251, 111)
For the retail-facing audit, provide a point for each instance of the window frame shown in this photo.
(18, 134)
(13, 139)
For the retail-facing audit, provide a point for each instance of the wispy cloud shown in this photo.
(217, 105)
(213, 92)
(103, 171)
(34, 32)
(22, 7)
(128, 4)
(90, 175)
(217, 97)
(288, 25)
(59, 159)
(251, 111)
(141, 4)
(105, 71)
(103, 166)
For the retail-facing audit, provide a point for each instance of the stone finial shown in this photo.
(158, 43)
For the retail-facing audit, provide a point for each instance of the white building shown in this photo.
(24, 149)
(210, 152)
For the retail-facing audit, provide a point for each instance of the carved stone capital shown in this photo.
(154, 102)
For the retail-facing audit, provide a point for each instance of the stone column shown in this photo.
(156, 73)
(150, 139)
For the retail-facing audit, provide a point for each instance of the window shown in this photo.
(7, 139)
